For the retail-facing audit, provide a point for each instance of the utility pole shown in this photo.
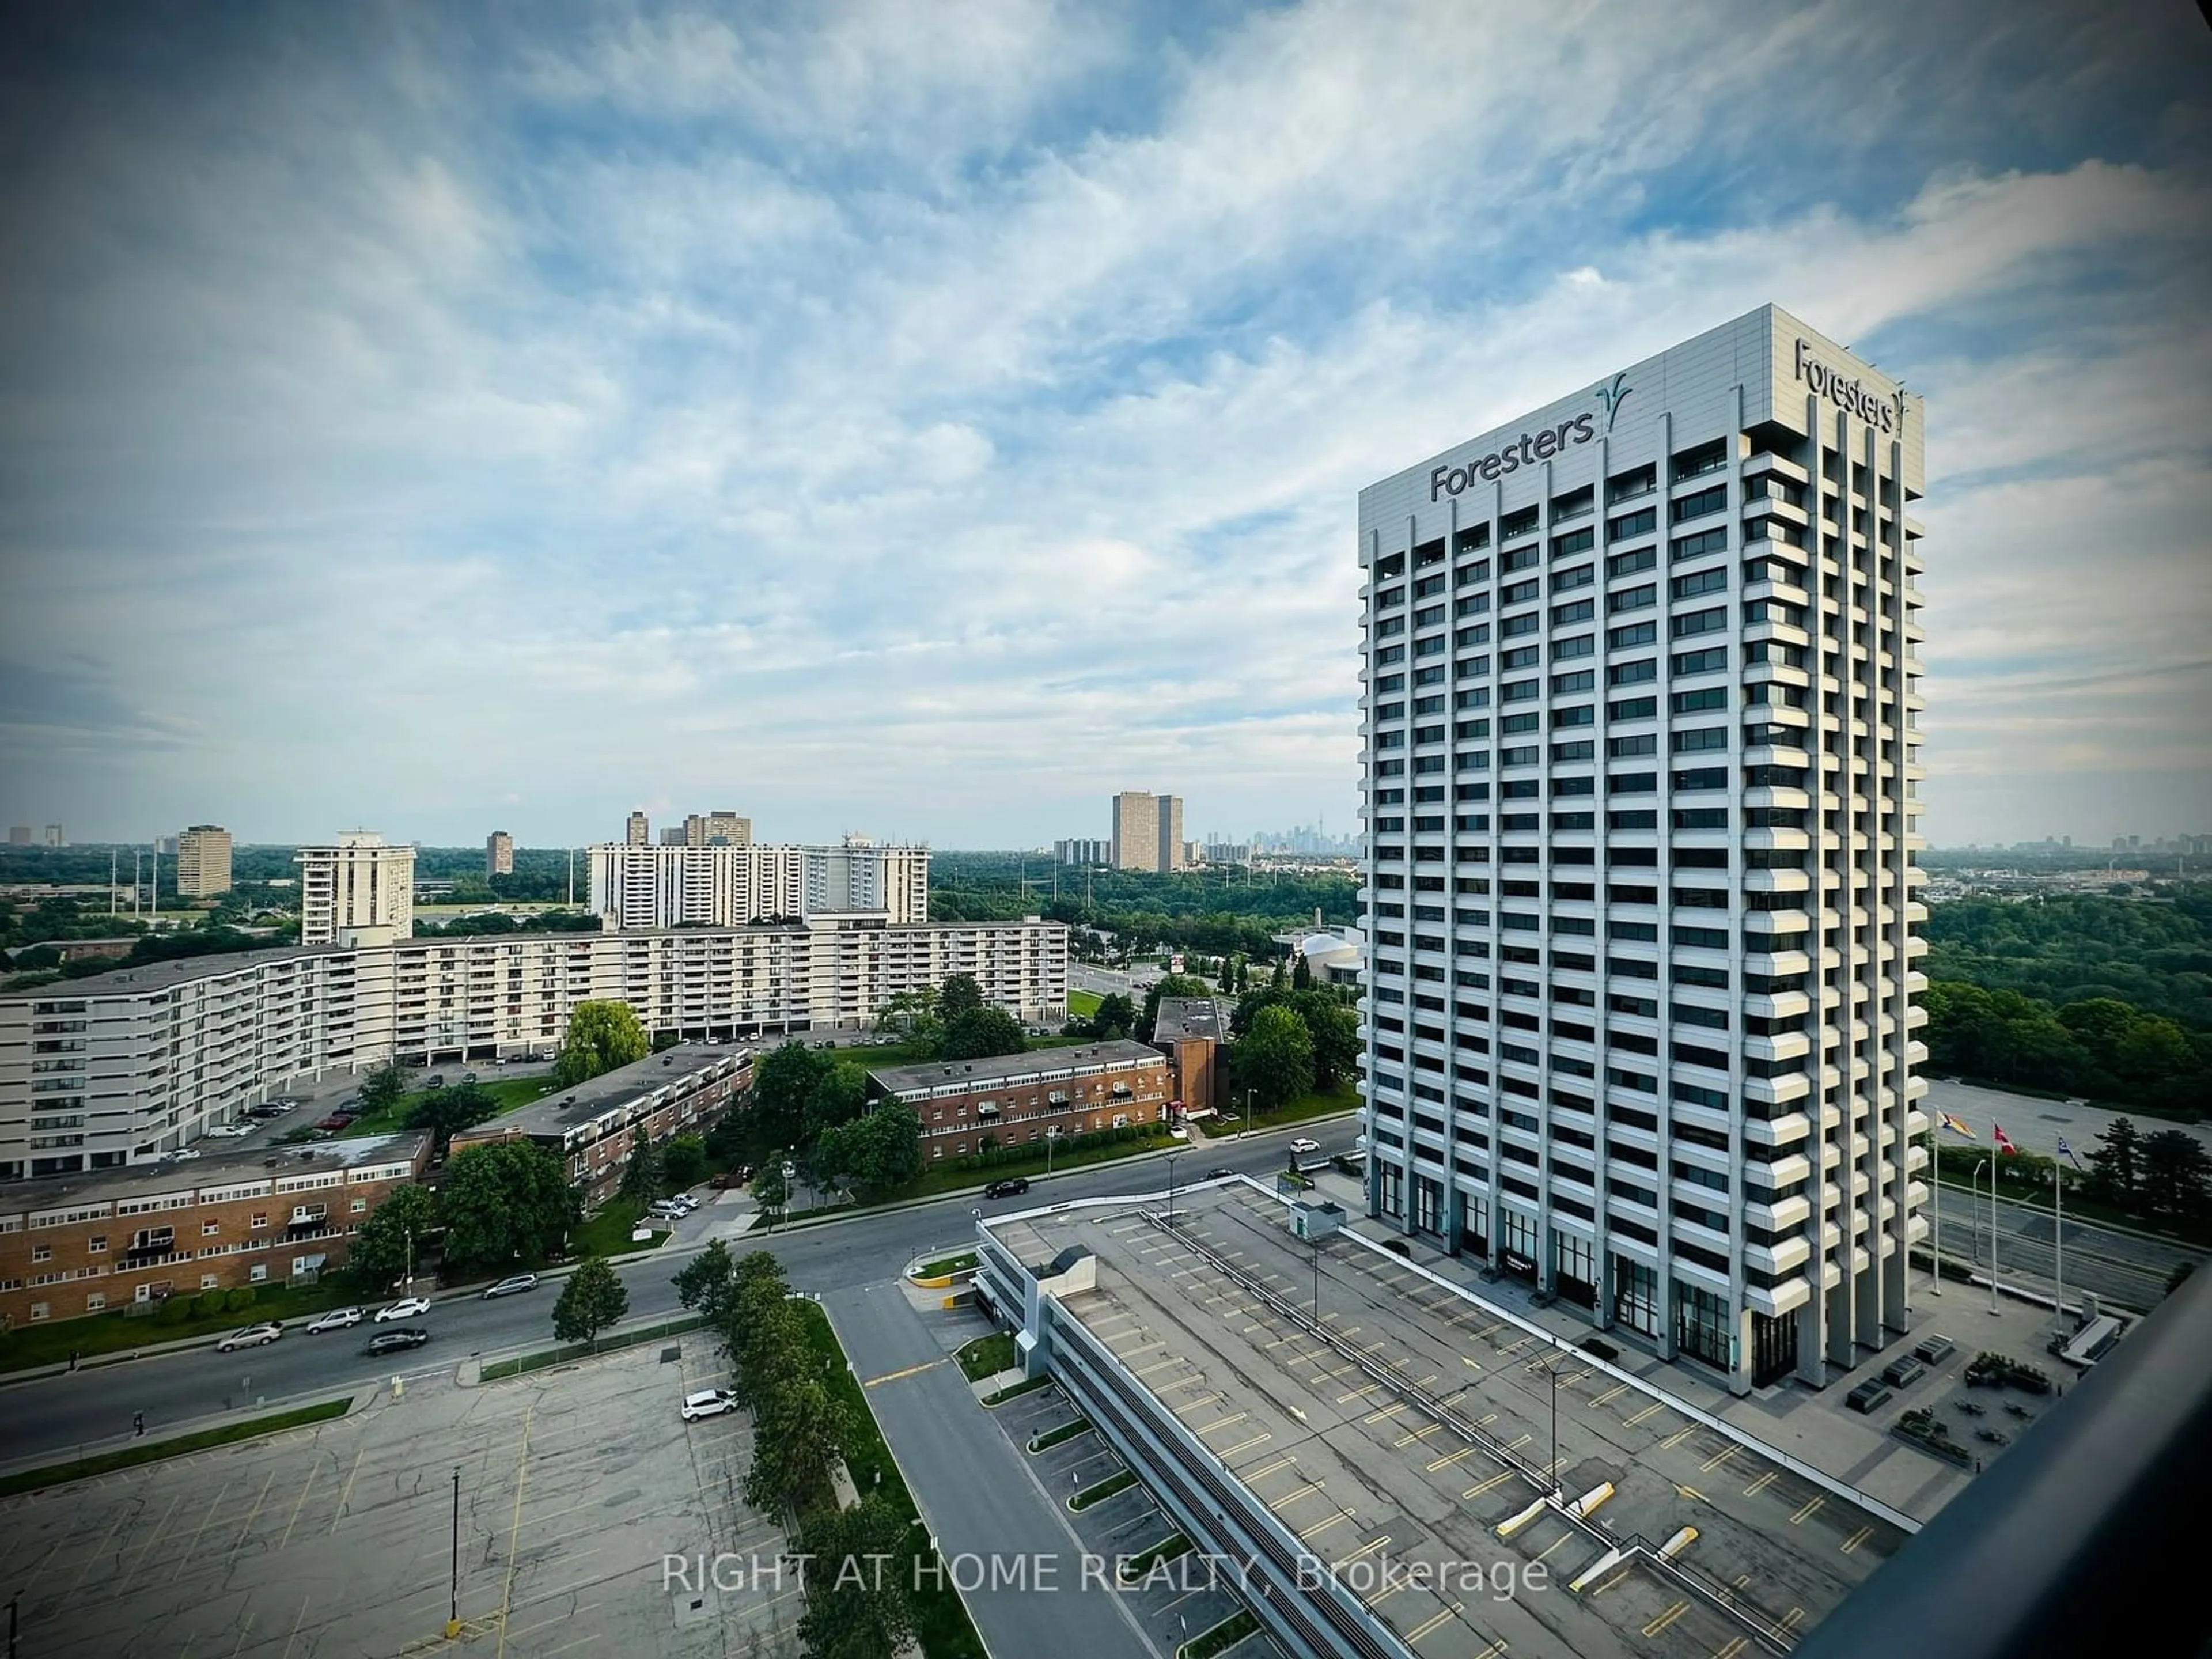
(453, 1620)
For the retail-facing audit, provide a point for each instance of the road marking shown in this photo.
(1789, 1618)
(1515, 1348)
(514, 1531)
(1159, 1365)
(1493, 1651)
(1322, 1526)
(251, 1514)
(1665, 1619)
(1679, 1436)
(346, 1495)
(1617, 1389)
(93, 1557)
(1472, 1364)
(196, 1531)
(1390, 1410)
(1495, 1481)
(1762, 1483)
(1692, 1494)
(1359, 1393)
(297, 1621)
(1734, 1645)
(1378, 1541)
(1515, 1445)
(154, 1535)
(1720, 1456)
(1275, 1467)
(1555, 1543)
(1432, 1622)
(1421, 1433)
(1450, 1458)
(1655, 1405)
(1811, 1504)
(1857, 1539)
(313, 1470)
(1306, 1491)
(1222, 1422)
(1259, 1439)
(243, 1631)
(911, 1371)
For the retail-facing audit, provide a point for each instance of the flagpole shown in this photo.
(2058, 1242)
(1935, 1175)
(1993, 1232)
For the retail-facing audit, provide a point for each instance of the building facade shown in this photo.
(119, 1237)
(1193, 1033)
(638, 831)
(679, 1091)
(120, 1066)
(1641, 758)
(722, 828)
(1017, 1099)
(499, 853)
(360, 890)
(203, 861)
(1147, 831)
(736, 885)
(1081, 852)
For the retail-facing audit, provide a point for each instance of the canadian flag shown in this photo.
(2002, 1140)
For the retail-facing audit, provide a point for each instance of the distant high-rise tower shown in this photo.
(719, 829)
(359, 891)
(19, 834)
(1641, 756)
(1136, 830)
(203, 861)
(499, 853)
(54, 835)
(1174, 853)
(639, 832)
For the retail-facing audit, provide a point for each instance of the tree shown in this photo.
(601, 1036)
(707, 1283)
(912, 1014)
(1276, 980)
(382, 1089)
(684, 1162)
(1168, 984)
(641, 1176)
(839, 1095)
(874, 1154)
(1275, 1059)
(386, 1248)
(784, 1082)
(1301, 977)
(981, 1032)
(2116, 1164)
(593, 1298)
(800, 1430)
(857, 1605)
(959, 995)
(446, 1112)
(1335, 1035)
(505, 1202)
(771, 1192)
(2177, 1175)
(1227, 985)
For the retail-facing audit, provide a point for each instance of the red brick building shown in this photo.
(1192, 1032)
(1016, 1098)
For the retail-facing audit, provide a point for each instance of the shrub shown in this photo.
(207, 1303)
(173, 1310)
(239, 1299)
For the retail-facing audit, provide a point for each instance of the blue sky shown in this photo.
(929, 420)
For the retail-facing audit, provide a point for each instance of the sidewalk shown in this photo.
(363, 1397)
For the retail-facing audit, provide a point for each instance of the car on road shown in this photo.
(708, 1402)
(1217, 1172)
(1303, 1144)
(399, 1341)
(513, 1285)
(229, 1130)
(1014, 1187)
(252, 1336)
(338, 1319)
(268, 1109)
(408, 1307)
(182, 1155)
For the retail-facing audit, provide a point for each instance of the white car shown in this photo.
(1301, 1146)
(513, 1285)
(406, 1308)
(708, 1402)
(253, 1336)
(230, 1130)
(182, 1155)
(338, 1319)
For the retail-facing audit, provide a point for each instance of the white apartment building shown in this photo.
(100, 1071)
(359, 891)
(203, 861)
(1641, 753)
(636, 887)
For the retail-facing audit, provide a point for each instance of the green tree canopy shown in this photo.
(857, 1601)
(1275, 1059)
(391, 1240)
(684, 1162)
(839, 1095)
(959, 995)
(708, 1284)
(593, 1298)
(380, 1089)
(784, 1082)
(981, 1032)
(874, 1154)
(446, 1112)
(506, 1203)
(601, 1036)
(641, 1176)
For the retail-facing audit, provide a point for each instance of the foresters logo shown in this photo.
(1613, 394)
(1886, 411)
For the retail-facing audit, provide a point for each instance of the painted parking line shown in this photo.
(1259, 1439)
(1359, 1393)
(1720, 1456)
(1659, 1625)
(1389, 1411)
(1761, 1483)
(1306, 1491)
(1611, 1393)
(1324, 1524)
(345, 1495)
(1266, 1469)
(1731, 1648)
(1433, 1621)
(1421, 1433)
(313, 1470)
(1789, 1619)
(1811, 1504)
(1222, 1422)
(1679, 1436)
(1655, 1405)
(251, 1516)
(1380, 1540)
(1491, 1484)
(1851, 1544)
(195, 1542)
(1450, 1458)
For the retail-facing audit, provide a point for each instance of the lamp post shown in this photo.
(1245, 1121)
(1172, 1157)
(1936, 1205)
(453, 1620)
(1551, 1469)
(1987, 1165)
(1051, 1135)
(1316, 1243)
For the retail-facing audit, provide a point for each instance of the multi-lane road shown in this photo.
(60, 1413)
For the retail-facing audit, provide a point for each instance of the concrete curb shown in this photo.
(360, 1399)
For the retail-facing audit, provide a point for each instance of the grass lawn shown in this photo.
(608, 1342)
(1345, 1098)
(1081, 1005)
(987, 1356)
(131, 1457)
(1113, 1485)
(941, 1622)
(1221, 1638)
(508, 1093)
(945, 1265)
(608, 1232)
(51, 1342)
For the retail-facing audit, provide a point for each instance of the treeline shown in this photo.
(2104, 1048)
(2155, 954)
(42, 963)
(1216, 912)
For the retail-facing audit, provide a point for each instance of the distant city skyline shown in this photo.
(456, 420)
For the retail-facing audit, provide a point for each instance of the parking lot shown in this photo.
(338, 1539)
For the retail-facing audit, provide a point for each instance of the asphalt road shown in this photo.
(2115, 1267)
(2033, 1125)
(61, 1415)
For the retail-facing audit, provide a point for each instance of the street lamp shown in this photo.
(1051, 1136)
(1245, 1121)
(1988, 1164)
(453, 1622)
(1172, 1157)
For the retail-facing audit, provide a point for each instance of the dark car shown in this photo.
(1218, 1171)
(1008, 1188)
(399, 1341)
(1398, 1247)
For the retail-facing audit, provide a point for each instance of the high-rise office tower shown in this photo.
(359, 891)
(638, 832)
(1174, 853)
(203, 861)
(1147, 831)
(718, 828)
(499, 853)
(1640, 715)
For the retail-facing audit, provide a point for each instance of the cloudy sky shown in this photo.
(928, 419)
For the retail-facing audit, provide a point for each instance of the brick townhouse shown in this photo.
(1016, 1098)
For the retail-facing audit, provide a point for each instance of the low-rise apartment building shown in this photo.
(1015, 1099)
(124, 1236)
(1192, 1032)
(682, 1091)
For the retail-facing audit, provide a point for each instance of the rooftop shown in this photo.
(1413, 1425)
(160, 975)
(207, 1170)
(1184, 1019)
(556, 1115)
(1015, 1068)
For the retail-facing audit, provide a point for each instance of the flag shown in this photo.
(2002, 1140)
(1956, 1125)
(2067, 1153)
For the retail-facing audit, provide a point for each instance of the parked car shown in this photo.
(435, 1080)
(252, 1336)
(229, 1130)
(408, 1307)
(1303, 1144)
(708, 1402)
(399, 1341)
(1399, 1247)
(338, 1319)
(1013, 1187)
(182, 1155)
(513, 1285)
(1903, 1371)
(468, 1077)
(334, 1123)
(1870, 1396)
